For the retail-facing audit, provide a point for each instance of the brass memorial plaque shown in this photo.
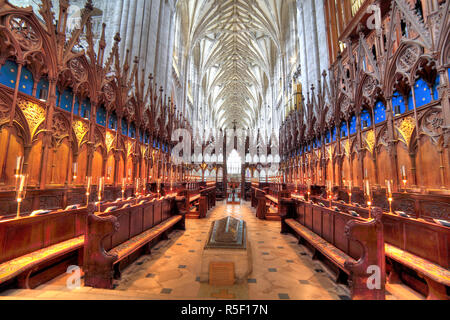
(221, 273)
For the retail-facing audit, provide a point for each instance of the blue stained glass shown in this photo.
(435, 87)
(8, 74)
(26, 81)
(86, 109)
(365, 119)
(422, 92)
(112, 122)
(76, 106)
(42, 89)
(66, 100)
(132, 132)
(398, 103)
(328, 137)
(101, 115)
(380, 112)
(334, 134)
(58, 95)
(353, 125)
(124, 127)
(344, 130)
(410, 101)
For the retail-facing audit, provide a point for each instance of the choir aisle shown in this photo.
(282, 269)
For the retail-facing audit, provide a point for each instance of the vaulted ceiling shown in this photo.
(235, 46)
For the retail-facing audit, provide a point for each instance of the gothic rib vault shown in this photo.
(235, 46)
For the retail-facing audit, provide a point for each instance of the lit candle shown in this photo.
(88, 187)
(367, 188)
(388, 182)
(101, 182)
(403, 172)
(18, 162)
(18, 166)
(22, 183)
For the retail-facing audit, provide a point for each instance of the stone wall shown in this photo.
(312, 41)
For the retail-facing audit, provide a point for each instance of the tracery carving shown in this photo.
(369, 86)
(24, 32)
(432, 124)
(370, 140)
(406, 129)
(408, 58)
(4, 111)
(59, 126)
(78, 70)
(34, 114)
(109, 93)
(130, 108)
(109, 141)
(80, 128)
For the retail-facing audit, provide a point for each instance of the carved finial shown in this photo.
(117, 37)
(377, 214)
(89, 5)
(102, 37)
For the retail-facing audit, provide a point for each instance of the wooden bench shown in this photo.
(37, 249)
(192, 200)
(114, 240)
(430, 251)
(260, 199)
(210, 194)
(275, 204)
(350, 244)
(422, 247)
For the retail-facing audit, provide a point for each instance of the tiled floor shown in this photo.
(280, 271)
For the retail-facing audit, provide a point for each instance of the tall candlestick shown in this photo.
(75, 170)
(124, 181)
(389, 188)
(88, 189)
(101, 186)
(20, 193)
(404, 177)
(22, 183)
(136, 192)
(350, 191)
(368, 188)
(18, 170)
